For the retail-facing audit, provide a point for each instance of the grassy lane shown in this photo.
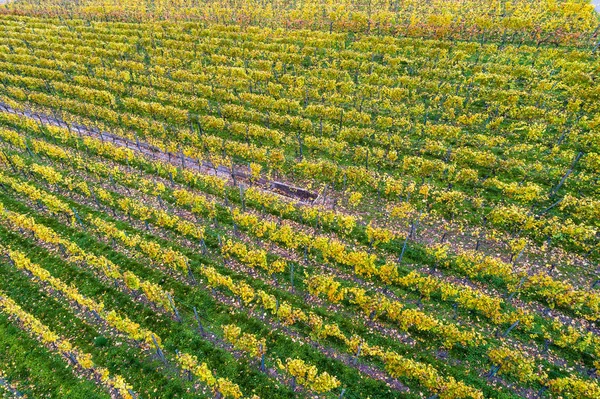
(38, 372)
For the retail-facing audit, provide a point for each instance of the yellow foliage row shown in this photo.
(246, 342)
(121, 323)
(397, 365)
(54, 204)
(255, 258)
(379, 305)
(40, 331)
(154, 251)
(224, 386)
(556, 293)
(571, 21)
(309, 376)
(75, 254)
(425, 374)
(522, 366)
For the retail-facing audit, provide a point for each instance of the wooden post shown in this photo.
(357, 353)
(404, 247)
(242, 198)
(191, 274)
(159, 351)
(513, 326)
(262, 358)
(493, 370)
(177, 316)
(566, 175)
(200, 328)
(78, 218)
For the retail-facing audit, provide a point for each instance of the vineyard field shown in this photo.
(300, 199)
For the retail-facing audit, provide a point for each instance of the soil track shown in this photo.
(235, 175)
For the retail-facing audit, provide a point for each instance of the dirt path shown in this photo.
(236, 174)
